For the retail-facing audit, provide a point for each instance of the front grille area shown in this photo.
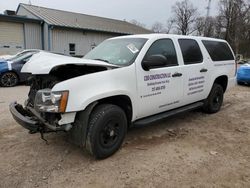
(39, 82)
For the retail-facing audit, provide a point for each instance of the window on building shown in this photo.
(218, 51)
(93, 45)
(166, 48)
(72, 49)
(191, 51)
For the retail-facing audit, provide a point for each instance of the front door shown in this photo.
(160, 88)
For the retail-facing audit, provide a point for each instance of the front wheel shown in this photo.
(107, 130)
(215, 99)
(8, 79)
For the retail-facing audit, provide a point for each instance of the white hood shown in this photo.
(43, 62)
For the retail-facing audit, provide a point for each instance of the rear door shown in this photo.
(195, 71)
(160, 89)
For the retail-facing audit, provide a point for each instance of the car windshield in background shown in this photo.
(22, 56)
(120, 52)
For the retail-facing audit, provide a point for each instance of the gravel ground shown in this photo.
(188, 150)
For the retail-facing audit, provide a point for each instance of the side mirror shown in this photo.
(154, 61)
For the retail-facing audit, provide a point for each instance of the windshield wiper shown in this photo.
(102, 60)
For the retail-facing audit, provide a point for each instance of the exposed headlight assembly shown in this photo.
(48, 101)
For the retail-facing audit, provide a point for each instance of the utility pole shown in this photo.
(207, 17)
(208, 8)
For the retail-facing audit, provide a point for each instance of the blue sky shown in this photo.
(146, 11)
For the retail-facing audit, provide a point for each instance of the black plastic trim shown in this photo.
(163, 115)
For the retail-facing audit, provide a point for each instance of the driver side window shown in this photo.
(166, 48)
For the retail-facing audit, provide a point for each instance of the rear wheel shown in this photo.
(8, 79)
(215, 99)
(107, 129)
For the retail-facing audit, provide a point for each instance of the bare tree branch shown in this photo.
(185, 15)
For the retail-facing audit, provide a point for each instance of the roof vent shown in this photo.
(10, 12)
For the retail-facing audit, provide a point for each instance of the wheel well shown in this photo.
(223, 81)
(122, 101)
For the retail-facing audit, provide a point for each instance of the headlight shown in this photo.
(48, 101)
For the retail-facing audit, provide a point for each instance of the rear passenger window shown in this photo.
(166, 48)
(191, 51)
(218, 51)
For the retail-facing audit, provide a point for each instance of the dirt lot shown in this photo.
(189, 150)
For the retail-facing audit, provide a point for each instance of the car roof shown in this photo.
(157, 35)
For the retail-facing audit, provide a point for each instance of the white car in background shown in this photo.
(6, 57)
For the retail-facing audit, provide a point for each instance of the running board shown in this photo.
(163, 115)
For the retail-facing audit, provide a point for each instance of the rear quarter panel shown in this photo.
(221, 68)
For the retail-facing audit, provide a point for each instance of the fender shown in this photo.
(87, 89)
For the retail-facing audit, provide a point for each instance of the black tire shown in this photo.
(107, 130)
(215, 99)
(8, 79)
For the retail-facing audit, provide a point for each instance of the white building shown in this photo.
(58, 31)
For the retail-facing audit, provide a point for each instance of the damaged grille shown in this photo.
(39, 82)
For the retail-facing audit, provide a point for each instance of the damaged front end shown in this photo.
(46, 110)
(43, 111)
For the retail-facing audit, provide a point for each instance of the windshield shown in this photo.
(120, 52)
(22, 56)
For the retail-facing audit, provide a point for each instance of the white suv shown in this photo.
(125, 81)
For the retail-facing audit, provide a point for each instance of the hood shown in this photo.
(5, 57)
(44, 62)
(2, 61)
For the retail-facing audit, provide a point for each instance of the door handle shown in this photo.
(203, 70)
(177, 74)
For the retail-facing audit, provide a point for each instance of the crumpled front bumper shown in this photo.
(31, 120)
(24, 118)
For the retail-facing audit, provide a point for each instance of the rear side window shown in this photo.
(191, 51)
(218, 51)
(166, 48)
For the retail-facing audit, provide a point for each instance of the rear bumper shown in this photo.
(23, 118)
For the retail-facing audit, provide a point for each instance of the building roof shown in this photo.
(82, 21)
(21, 19)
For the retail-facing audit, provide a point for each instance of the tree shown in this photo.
(135, 22)
(234, 16)
(169, 25)
(158, 27)
(200, 25)
(185, 15)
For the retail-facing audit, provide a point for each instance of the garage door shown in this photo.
(11, 37)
